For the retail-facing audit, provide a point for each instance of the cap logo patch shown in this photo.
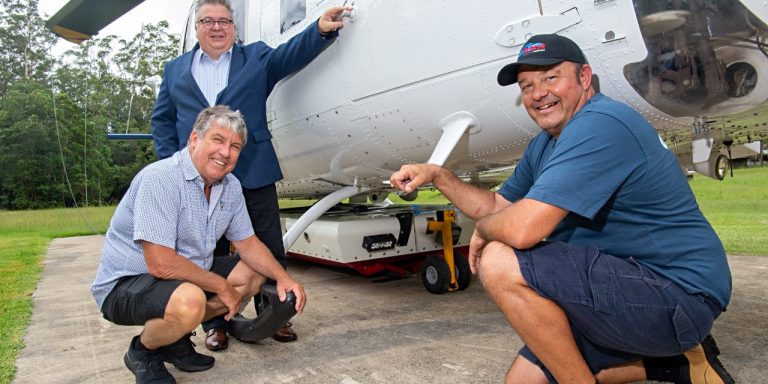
(531, 48)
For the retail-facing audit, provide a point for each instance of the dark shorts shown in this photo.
(136, 299)
(619, 310)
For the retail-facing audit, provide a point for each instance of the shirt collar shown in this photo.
(188, 168)
(200, 54)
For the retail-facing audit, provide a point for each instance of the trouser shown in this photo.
(265, 217)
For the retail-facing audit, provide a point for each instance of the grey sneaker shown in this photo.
(146, 365)
(182, 354)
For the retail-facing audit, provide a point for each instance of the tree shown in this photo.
(60, 157)
(25, 63)
(32, 176)
(25, 44)
(106, 77)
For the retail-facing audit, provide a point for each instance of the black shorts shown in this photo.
(137, 299)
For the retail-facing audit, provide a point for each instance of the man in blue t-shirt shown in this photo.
(594, 249)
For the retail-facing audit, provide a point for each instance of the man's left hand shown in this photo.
(289, 285)
(330, 21)
(476, 245)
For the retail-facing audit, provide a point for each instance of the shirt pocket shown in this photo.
(222, 217)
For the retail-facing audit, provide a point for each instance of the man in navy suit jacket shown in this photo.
(218, 71)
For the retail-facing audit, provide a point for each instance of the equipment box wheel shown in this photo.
(436, 276)
(463, 273)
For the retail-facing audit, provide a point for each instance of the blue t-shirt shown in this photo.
(626, 194)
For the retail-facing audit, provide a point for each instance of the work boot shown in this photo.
(703, 365)
(182, 354)
(699, 365)
(146, 365)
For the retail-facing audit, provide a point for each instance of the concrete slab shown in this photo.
(354, 330)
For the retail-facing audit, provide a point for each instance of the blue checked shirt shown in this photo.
(166, 205)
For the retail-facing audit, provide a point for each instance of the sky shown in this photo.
(129, 25)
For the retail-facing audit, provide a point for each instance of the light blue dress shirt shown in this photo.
(211, 75)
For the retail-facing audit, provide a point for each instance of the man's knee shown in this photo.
(186, 306)
(246, 280)
(255, 283)
(524, 371)
(499, 266)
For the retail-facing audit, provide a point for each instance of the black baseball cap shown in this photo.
(542, 50)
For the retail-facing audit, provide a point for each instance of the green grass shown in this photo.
(736, 207)
(24, 238)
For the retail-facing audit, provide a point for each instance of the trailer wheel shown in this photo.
(463, 273)
(435, 275)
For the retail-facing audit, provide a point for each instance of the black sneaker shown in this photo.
(146, 365)
(704, 366)
(182, 354)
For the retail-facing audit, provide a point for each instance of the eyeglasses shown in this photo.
(208, 23)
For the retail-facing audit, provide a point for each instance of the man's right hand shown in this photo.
(232, 299)
(412, 176)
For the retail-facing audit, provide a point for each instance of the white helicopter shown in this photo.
(415, 81)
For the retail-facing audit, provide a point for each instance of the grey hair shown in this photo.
(225, 3)
(224, 118)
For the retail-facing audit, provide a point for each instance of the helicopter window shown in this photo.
(292, 12)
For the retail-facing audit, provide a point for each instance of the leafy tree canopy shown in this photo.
(55, 111)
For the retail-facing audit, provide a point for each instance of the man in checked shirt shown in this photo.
(157, 268)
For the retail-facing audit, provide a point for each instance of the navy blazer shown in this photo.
(253, 72)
